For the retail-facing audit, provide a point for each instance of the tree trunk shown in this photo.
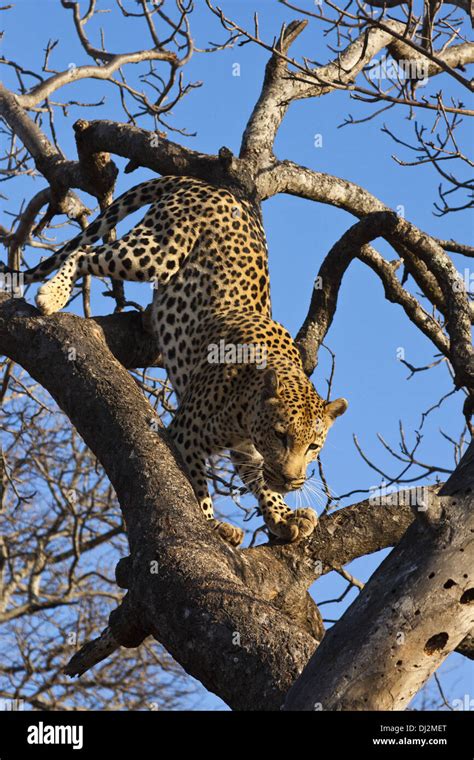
(415, 610)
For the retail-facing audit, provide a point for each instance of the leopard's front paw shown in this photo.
(234, 536)
(297, 524)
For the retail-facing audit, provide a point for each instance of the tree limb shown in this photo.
(414, 611)
(291, 178)
(324, 299)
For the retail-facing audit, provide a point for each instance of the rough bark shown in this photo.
(415, 610)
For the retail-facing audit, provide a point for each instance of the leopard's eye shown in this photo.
(313, 447)
(282, 436)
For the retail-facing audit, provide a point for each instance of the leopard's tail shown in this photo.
(127, 203)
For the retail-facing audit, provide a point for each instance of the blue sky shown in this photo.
(367, 330)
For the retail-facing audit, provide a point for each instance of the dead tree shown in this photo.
(61, 537)
(205, 592)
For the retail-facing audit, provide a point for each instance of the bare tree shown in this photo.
(204, 593)
(62, 535)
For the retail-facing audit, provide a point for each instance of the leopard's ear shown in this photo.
(271, 385)
(336, 408)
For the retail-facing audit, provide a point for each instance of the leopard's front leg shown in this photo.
(195, 463)
(281, 521)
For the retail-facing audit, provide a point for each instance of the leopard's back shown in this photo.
(225, 272)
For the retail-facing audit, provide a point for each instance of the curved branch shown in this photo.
(75, 74)
(291, 178)
(15, 240)
(324, 300)
(388, 224)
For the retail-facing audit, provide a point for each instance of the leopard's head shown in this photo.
(290, 426)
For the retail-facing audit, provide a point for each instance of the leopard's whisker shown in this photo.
(325, 486)
(311, 490)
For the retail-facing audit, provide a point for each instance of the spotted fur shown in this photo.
(205, 249)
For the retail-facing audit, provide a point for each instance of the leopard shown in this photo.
(203, 249)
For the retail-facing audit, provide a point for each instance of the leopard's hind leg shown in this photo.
(137, 256)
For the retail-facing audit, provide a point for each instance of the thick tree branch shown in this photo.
(123, 334)
(415, 610)
(281, 86)
(270, 109)
(456, 56)
(152, 150)
(198, 599)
